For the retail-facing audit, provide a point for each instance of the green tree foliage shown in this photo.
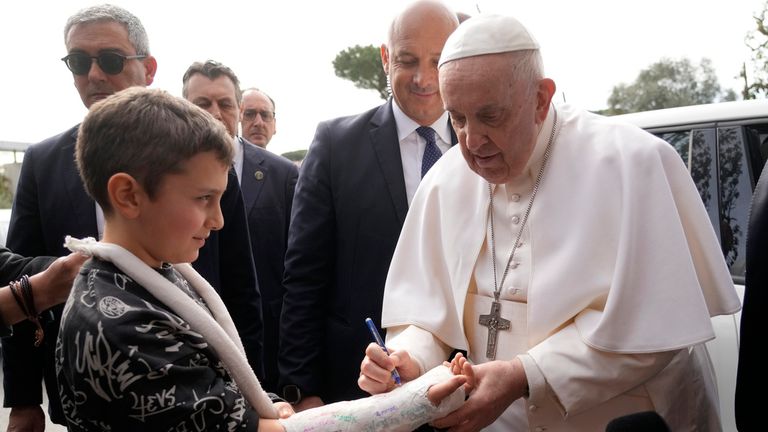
(362, 66)
(295, 156)
(757, 41)
(6, 194)
(666, 84)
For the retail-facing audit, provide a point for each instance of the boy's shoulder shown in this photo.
(98, 273)
(108, 305)
(102, 277)
(102, 290)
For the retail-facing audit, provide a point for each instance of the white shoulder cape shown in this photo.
(621, 245)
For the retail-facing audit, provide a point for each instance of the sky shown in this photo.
(286, 48)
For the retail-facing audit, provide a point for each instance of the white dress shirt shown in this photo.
(238, 144)
(412, 146)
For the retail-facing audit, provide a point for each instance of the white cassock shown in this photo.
(610, 292)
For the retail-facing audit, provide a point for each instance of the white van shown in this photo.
(725, 146)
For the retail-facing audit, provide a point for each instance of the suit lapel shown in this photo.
(254, 174)
(386, 146)
(83, 207)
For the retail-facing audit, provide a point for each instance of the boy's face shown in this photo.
(176, 222)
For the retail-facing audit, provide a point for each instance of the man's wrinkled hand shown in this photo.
(497, 385)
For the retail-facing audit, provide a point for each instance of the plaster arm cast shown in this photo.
(403, 409)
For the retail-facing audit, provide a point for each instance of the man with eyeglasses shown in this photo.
(267, 181)
(108, 51)
(257, 117)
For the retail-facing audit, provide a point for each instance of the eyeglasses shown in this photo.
(250, 115)
(109, 62)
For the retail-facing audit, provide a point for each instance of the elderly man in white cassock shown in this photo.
(568, 253)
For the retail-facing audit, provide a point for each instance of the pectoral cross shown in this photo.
(494, 322)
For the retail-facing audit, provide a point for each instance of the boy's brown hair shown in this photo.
(147, 134)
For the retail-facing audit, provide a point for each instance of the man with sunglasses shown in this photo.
(257, 117)
(108, 51)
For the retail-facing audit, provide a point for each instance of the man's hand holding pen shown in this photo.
(376, 369)
(381, 370)
(377, 338)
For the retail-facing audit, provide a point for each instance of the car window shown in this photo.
(722, 172)
(681, 141)
(703, 168)
(697, 149)
(757, 137)
(735, 195)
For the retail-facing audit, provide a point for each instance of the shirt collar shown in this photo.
(406, 126)
(237, 162)
(237, 145)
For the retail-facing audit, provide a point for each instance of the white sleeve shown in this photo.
(581, 377)
(427, 350)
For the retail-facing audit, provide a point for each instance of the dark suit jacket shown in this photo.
(752, 377)
(51, 203)
(12, 266)
(349, 207)
(268, 182)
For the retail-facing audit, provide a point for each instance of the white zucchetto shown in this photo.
(487, 34)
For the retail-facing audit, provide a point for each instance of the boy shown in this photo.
(138, 347)
(157, 166)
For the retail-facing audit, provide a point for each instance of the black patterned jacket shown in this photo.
(124, 361)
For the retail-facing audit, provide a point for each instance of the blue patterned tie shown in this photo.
(431, 152)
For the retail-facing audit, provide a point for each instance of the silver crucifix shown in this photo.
(494, 322)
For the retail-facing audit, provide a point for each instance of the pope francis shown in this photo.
(569, 254)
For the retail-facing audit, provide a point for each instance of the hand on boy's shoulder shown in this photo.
(52, 285)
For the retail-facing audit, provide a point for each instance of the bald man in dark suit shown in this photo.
(354, 188)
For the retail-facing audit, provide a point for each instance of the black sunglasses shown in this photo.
(109, 62)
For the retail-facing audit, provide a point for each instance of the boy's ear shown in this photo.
(125, 195)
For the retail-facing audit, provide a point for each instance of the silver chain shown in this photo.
(497, 286)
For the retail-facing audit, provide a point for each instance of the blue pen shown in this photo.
(380, 341)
